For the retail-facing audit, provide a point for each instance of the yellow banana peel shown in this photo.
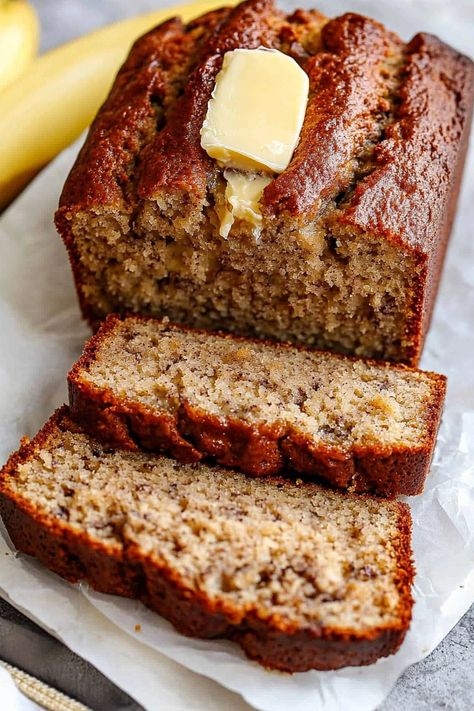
(50, 105)
(19, 33)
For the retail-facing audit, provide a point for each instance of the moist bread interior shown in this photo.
(310, 555)
(335, 401)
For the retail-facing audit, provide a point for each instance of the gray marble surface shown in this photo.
(443, 681)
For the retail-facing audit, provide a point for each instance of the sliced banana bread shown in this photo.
(256, 406)
(300, 576)
(353, 232)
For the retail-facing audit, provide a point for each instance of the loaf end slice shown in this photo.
(300, 576)
(258, 407)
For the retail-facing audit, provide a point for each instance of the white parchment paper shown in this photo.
(41, 334)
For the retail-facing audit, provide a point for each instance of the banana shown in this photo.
(19, 33)
(56, 99)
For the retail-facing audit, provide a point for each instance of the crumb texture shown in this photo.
(335, 402)
(291, 555)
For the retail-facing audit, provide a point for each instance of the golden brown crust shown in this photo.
(144, 90)
(347, 102)
(406, 196)
(191, 434)
(124, 570)
(175, 161)
(410, 196)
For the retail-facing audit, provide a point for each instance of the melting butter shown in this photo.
(242, 196)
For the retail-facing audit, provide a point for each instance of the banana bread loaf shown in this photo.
(353, 232)
(301, 577)
(258, 406)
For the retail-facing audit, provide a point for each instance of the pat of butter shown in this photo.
(256, 112)
(242, 194)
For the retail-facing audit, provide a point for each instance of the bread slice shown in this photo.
(353, 231)
(259, 407)
(300, 576)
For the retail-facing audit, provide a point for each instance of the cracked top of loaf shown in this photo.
(378, 152)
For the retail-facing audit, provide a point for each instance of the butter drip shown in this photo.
(242, 196)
